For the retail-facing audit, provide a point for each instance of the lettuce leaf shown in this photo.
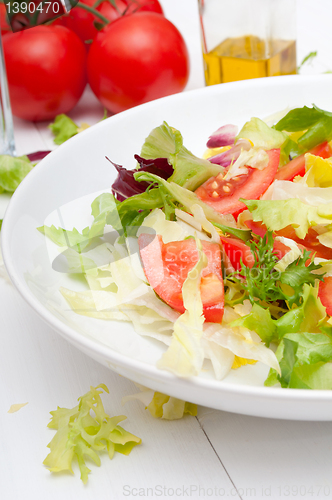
(157, 222)
(258, 320)
(80, 435)
(186, 198)
(305, 362)
(63, 128)
(318, 171)
(162, 406)
(315, 121)
(261, 135)
(189, 170)
(12, 171)
(65, 238)
(277, 214)
(185, 354)
(305, 318)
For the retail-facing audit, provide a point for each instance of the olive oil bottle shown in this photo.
(248, 57)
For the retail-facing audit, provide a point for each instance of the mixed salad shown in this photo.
(226, 259)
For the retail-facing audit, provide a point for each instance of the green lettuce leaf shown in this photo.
(242, 234)
(189, 170)
(12, 171)
(315, 121)
(63, 128)
(261, 135)
(65, 238)
(305, 362)
(305, 318)
(277, 214)
(80, 435)
(258, 320)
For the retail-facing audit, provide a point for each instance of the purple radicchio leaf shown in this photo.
(231, 155)
(125, 184)
(224, 136)
(37, 155)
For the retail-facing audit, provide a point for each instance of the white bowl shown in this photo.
(65, 183)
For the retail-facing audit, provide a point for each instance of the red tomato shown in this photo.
(46, 69)
(224, 196)
(325, 294)
(256, 227)
(143, 5)
(166, 267)
(297, 166)
(137, 59)
(5, 28)
(84, 23)
(236, 250)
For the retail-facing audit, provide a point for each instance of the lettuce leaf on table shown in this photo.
(162, 406)
(12, 171)
(80, 435)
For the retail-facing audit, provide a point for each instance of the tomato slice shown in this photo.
(256, 227)
(297, 166)
(224, 195)
(166, 267)
(236, 250)
(325, 294)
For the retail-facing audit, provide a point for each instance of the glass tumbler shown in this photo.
(7, 143)
(243, 39)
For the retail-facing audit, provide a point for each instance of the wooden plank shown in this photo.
(269, 458)
(27, 137)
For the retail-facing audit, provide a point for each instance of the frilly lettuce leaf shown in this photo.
(189, 170)
(277, 214)
(261, 135)
(80, 435)
(63, 128)
(185, 354)
(162, 406)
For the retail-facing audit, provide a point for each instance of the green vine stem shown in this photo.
(93, 11)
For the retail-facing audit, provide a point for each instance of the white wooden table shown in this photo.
(216, 454)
